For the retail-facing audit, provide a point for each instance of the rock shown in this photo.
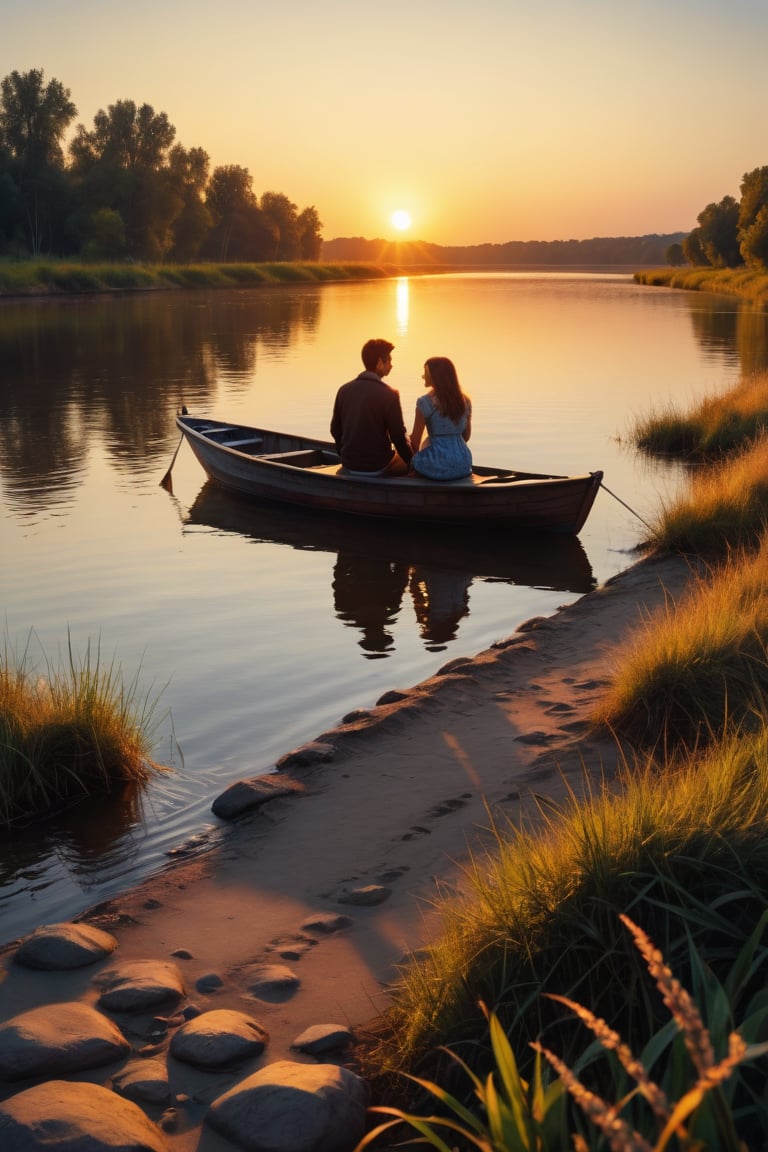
(143, 1081)
(290, 1107)
(323, 1038)
(453, 665)
(316, 752)
(211, 982)
(139, 984)
(246, 794)
(218, 1038)
(270, 980)
(63, 1117)
(393, 696)
(357, 716)
(58, 1039)
(57, 946)
(365, 897)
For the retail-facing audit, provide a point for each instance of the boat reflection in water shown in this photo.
(378, 565)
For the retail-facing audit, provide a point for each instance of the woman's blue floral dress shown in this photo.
(444, 455)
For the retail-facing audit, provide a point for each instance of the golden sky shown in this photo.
(485, 120)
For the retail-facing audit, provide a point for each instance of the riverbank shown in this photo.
(334, 878)
(72, 277)
(747, 283)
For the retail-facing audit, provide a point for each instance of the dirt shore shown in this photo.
(404, 795)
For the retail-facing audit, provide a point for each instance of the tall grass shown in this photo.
(75, 729)
(716, 425)
(725, 507)
(683, 851)
(698, 667)
(749, 283)
(52, 277)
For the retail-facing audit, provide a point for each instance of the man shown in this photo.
(367, 424)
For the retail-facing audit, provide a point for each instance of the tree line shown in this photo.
(631, 251)
(125, 189)
(731, 232)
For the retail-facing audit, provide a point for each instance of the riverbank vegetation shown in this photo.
(677, 842)
(57, 277)
(748, 283)
(68, 731)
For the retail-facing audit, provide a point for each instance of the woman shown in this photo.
(446, 414)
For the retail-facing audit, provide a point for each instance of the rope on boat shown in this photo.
(651, 530)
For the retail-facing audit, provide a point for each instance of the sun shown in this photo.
(401, 220)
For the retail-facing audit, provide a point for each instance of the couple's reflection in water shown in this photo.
(368, 593)
(380, 567)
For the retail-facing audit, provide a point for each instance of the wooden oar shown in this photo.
(166, 480)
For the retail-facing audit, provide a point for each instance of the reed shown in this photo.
(717, 425)
(725, 507)
(679, 846)
(697, 668)
(748, 283)
(75, 730)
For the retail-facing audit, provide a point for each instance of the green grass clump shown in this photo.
(717, 425)
(52, 277)
(698, 667)
(685, 1086)
(682, 849)
(725, 507)
(74, 731)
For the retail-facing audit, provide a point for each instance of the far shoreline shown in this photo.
(55, 279)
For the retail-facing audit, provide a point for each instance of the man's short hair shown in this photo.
(375, 350)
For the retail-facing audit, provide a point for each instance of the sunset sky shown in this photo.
(484, 120)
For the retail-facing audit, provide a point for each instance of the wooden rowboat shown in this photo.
(287, 469)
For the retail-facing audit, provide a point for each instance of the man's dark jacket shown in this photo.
(367, 420)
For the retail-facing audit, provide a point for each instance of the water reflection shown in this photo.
(376, 565)
(730, 328)
(110, 372)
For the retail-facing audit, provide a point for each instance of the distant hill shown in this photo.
(635, 251)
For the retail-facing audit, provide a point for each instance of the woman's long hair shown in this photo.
(451, 401)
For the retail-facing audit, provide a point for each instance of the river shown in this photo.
(258, 629)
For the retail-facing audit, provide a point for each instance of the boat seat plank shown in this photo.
(250, 442)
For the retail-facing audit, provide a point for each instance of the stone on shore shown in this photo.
(246, 794)
(219, 1038)
(58, 1039)
(323, 1038)
(63, 1117)
(290, 1107)
(64, 946)
(136, 985)
(144, 1081)
(315, 752)
(271, 980)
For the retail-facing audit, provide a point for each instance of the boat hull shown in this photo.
(286, 469)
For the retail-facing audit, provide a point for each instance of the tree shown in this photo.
(675, 256)
(240, 229)
(718, 233)
(189, 175)
(694, 253)
(122, 164)
(33, 119)
(754, 199)
(309, 228)
(106, 236)
(282, 215)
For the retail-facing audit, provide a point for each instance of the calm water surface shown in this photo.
(261, 628)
